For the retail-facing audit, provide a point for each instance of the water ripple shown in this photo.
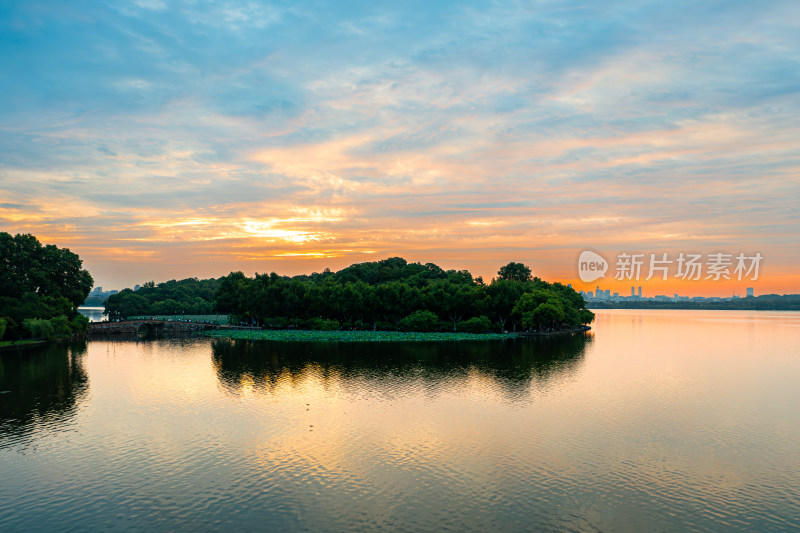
(602, 433)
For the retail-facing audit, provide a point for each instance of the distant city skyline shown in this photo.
(638, 295)
(171, 140)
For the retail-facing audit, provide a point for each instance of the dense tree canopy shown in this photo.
(40, 288)
(189, 296)
(390, 294)
(514, 272)
(395, 294)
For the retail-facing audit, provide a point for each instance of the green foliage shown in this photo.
(420, 321)
(322, 324)
(79, 324)
(40, 286)
(39, 328)
(478, 324)
(502, 295)
(389, 294)
(383, 326)
(514, 272)
(545, 316)
(277, 322)
(55, 327)
(185, 297)
(230, 286)
(46, 271)
(551, 307)
(531, 300)
(11, 329)
(60, 325)
(3, 325)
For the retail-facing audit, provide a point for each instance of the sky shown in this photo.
(163, 140)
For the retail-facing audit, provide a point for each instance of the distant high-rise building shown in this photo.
(750, 292)
(633, 291)
(640, 291)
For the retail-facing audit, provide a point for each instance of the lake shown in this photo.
(653, 421)
(94, 314)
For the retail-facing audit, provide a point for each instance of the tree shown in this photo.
(514, 272)
(529, 302)
(39, 328)
(79, 324)
(63, 275)
(40, 283)
(585, 316)
(188, 296)
(503, 295)
(420, 321)
(388, 302)
(459, 301)
(346, 300)
(391, 292)
(546, 316)
(11, 329)
(477, 324)
(27, 266)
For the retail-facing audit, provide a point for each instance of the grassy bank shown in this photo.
(14, 344)
(350, 336)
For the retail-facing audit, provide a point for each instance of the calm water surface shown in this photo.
(94, 314)
(655, 421)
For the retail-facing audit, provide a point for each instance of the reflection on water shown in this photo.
(40, 388)
(511, 366)
(660, 421)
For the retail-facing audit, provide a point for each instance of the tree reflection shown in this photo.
(40, 387)
(513, 365)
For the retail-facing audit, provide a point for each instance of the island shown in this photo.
(391, 295)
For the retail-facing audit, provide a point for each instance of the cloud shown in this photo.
(518, 131)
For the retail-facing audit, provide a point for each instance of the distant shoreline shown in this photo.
(705, 306)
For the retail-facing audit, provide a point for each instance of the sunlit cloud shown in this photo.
(193, 139)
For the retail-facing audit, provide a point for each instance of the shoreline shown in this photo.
(282, 335)
(21, 345)
(36, 343)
